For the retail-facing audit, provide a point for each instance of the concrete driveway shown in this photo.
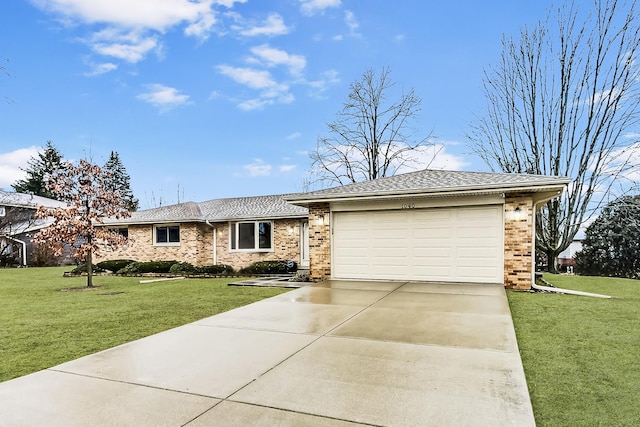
(333, 354)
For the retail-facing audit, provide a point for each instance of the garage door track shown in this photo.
(337, 353)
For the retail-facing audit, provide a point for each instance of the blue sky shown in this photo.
(221, 98)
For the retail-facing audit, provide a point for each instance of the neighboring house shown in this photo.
(17, 225)
(431, 225)
(567, 258)
(235, 231)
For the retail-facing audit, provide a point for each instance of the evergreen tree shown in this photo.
(612, 242)
(39, 169)
(117, 179)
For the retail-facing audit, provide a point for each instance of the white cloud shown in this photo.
(99, 69)
(129, 30)
(311, 7)
(163, 97)
(286, 168)
(262, 80)
(255, 79)
(273, 57)
(139, 14)
(352, 23)
(258, 168)
(11, 164)
(128, 46)
(272, 26)
(327, 79)
(632, 135)
(294, 135)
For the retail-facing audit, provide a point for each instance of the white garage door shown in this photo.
(444, 244)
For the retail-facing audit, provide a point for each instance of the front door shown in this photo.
(304, 244)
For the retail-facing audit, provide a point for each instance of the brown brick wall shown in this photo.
(518, 242)
(319, 242)
(196, 245)
(286, 245)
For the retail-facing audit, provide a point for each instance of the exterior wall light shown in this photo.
(320, 220)
(517, 214)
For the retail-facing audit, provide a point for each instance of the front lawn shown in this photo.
(581, 355)
(40, 326)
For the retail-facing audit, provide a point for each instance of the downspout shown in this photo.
(24, 249)
(215, 242)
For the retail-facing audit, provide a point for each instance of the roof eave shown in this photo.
(550, 186)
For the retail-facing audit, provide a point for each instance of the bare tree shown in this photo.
(3, 70)
(372, 136)
(89, 203)
(560, 102)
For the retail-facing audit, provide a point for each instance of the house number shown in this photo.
(409, 206)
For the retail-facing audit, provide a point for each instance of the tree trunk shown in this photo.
(90, 270)
(552, 260)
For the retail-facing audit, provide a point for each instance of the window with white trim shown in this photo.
(166, 235)
(251, 236)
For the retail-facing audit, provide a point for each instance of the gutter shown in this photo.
(568, 291)
(452, 191)
(215, 241)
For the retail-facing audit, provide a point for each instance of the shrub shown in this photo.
(147, 267)
(8, 261)
(183, 268)
(216, 269)
(82, 268)
(187, 268)
(270, 267)
(114, 264)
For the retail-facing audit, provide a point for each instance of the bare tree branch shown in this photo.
(371, 137)
(559, 103)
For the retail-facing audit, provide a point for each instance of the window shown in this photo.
(2, 211)
(167, 234)
(123, 231)
(251, 236)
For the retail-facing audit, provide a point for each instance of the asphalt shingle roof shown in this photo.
(238, 208)
(27, 200)
(433, 182)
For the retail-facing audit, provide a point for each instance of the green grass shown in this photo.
(581, 355)
(40, 326)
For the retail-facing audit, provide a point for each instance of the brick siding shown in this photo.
(518, 242)
(319, 242)
(196, 245)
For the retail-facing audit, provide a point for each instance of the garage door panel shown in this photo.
(448, 244)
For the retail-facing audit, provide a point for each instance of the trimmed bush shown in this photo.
(187, 268)
(147, 267)
(114, 264)
(82, 268)
(183, 268)
(216, 269)
(270, 267)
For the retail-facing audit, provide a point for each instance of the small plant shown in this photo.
(270, 267)
(301, 276)
(114, 264)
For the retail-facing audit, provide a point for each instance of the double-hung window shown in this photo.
(166, 235)
(251, 236)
